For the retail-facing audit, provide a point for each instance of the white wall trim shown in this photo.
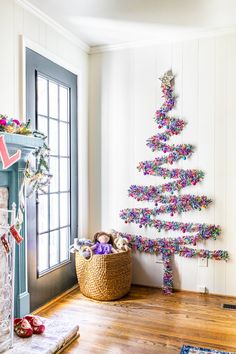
(54, 24)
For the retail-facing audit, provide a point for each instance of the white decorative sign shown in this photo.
(7, 160)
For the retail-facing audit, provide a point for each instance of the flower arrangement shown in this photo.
(14, 126)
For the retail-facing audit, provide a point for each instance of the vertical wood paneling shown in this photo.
(177, 68)
(230, 71)
(42, 33)
(94, 145)
(205, 78)
(82, 93)
(18, 94)
(206, 110)
(107, 87)
(7, 58)
(145, 105)
(220, 115)
(115, 123)
(190, 136)
(31, 26)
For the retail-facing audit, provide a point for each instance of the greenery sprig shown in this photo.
(38, 177)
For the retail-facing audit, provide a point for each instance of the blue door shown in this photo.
(52, 217)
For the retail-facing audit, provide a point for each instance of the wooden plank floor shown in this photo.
(146, 321)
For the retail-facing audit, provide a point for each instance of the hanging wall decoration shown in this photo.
(166, 197)
(7, 160)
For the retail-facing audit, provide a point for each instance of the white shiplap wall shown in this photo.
(17, 21)
(124, 94)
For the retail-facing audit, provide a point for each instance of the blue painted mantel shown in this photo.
(12, 179)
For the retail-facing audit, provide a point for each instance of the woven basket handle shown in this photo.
(83, 248)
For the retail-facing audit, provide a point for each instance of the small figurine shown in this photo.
(121, 244)
(103, 243)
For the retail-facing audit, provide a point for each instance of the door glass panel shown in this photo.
(53, 136)
(43, 252)
(42, 96)
(64, 209)
(64, 244)
(54, 211)
(64, 171)
(54, 248)
(43, 125)
(55, 173)
(42, 213)
(53, 230)
(53, 100)
(64, 139)
(64, 103)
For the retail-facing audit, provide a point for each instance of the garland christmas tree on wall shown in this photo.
(166, 197)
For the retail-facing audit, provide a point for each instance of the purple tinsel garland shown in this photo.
(175, 205)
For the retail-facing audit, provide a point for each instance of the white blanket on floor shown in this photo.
(56, 335)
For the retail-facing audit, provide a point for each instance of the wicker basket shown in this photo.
(104, 277)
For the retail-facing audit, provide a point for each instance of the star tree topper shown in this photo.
(167, 78)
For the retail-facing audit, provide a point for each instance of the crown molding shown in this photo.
(124, 45)
(54, 24)
(159, 41)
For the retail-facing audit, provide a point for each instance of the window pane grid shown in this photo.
(53, 243)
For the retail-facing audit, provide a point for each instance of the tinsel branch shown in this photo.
(174, 205)
(168, 247)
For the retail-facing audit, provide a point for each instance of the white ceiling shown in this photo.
(111, 22)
